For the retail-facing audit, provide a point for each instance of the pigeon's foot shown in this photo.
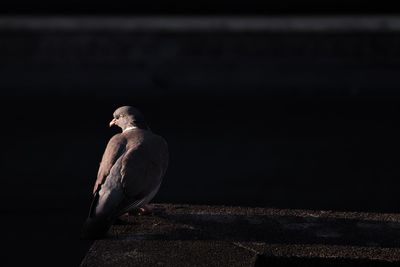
(144, 210)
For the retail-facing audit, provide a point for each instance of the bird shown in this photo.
(130, 174)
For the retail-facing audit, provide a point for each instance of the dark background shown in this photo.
(205, 7)
(286, 119)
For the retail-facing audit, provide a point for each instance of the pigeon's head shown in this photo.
(128, 116)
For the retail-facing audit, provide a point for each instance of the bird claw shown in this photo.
(144, 210)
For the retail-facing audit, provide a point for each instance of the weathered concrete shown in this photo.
(183, 235)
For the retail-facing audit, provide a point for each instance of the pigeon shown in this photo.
(130, 174)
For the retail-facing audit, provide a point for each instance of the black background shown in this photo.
(303, 147)
(205, 7)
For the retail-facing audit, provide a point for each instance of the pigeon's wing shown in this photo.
(109, 195)
(108, 174)
(105, 204)
(114, 150)
(143, 168)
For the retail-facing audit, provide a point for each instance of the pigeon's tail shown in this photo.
(94, 202)
(96, 225)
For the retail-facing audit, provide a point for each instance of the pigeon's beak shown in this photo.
(113, 122)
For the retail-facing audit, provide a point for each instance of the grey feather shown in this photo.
(130, 175)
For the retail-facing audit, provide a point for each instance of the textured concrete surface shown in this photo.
(183, 235)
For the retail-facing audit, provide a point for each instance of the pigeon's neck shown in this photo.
(129, 128)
